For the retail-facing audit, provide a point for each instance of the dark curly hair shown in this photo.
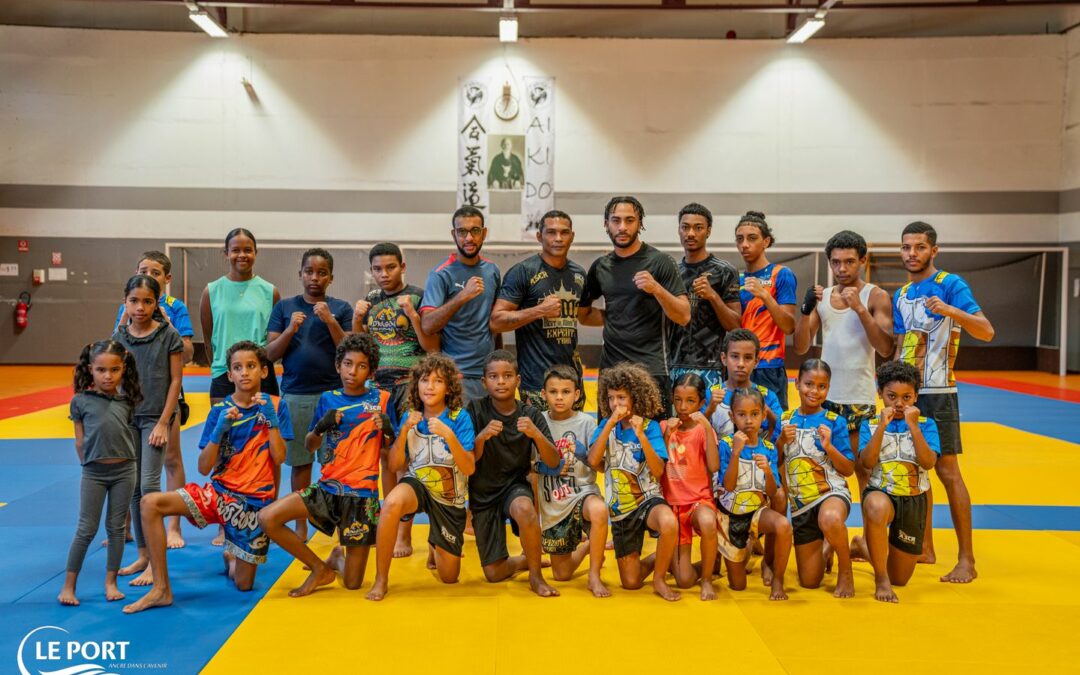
(898, 371)
(634, 380)
(248, 346)
(845, 239)
(443, 365)
(129, 383)
(757, 219)
(358, 342)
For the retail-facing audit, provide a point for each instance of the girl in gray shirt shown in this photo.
(106, 395)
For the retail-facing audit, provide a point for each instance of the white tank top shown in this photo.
(847, 350)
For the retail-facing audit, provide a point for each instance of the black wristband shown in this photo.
(328, 422)
(809, 302)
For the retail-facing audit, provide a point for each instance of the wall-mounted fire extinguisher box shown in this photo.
(22, 310)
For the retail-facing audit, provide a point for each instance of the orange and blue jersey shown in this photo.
(350, 454)
(781, 284)
(245, 466)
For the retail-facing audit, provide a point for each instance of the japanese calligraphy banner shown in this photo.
(538, 196)
(474, 120)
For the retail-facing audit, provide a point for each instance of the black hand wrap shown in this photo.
(328, 422)
(809, 302)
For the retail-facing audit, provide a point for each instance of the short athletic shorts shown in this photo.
(735, 533)
(805, 528)
(563, 537)
(490, 523)
(356, 518)
(684, 516)
(773, 379)
(220, 387)
(399, 398)
(238, 515)
(629, 532)
(447, 528)
(301, 410)
(854, 413)
(945, 410)
(909, 521)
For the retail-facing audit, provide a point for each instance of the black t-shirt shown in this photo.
(697, 345)
(544, 342)
(507, 457)
(634, 325)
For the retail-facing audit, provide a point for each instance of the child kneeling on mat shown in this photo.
(243, 442)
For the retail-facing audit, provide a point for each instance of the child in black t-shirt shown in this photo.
(508, 433)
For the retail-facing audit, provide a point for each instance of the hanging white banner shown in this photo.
(474, 120)
(538, 196)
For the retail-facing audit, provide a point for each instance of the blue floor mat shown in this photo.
(1044, 416)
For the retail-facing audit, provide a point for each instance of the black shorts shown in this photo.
(853, 413)
(945, 410)
(739, 526)
(804, 527)
(399, 399)
(489, 523)
(773, 379)
(447, 523)
(629, 533)
(908, 523)
(563, 537)
(220, 387)
(355, 518)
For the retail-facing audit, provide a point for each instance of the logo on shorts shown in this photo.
(446, 535)
(905, 537)
(60, 655)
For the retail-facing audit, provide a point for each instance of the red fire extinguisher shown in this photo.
(22, 309)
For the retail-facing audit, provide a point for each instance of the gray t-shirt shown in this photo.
(152, 361)
(106, 424)
(560, 489)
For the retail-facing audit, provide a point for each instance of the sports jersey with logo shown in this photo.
(432, 463)
(350, 453)
(244, 465)
(628, 483)
(811, 476)
(897, 471)
(749, 494)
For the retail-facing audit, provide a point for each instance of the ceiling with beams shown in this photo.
(692, 19)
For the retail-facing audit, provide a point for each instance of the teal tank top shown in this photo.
(241, 311)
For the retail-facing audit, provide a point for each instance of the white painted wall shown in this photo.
(82, 107)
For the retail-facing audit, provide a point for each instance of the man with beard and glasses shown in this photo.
(929, 313)
(714, 301)
(458, 298)
(539, 301)
(640, 286)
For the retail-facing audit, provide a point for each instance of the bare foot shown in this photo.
(541, 587)
(609, 545)
(927, 558)
(173, 538)
(778, 592)
(378, 590)
(134, 568)
(67, 597)
(859, 551)
(884, 592)
(827, 554)
(431, 558)
(112, 593)
(845, 585)
(219, 540)
(661, 588)
(598, 588)
(766, 573)
(402, 547)
(963, 573)
(144, 579)
(333, 561)
(155, 598)
(316, 579)
(708, 591)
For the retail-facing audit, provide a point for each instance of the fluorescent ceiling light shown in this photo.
(806, 30)
(207, 23)
(508, 29)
